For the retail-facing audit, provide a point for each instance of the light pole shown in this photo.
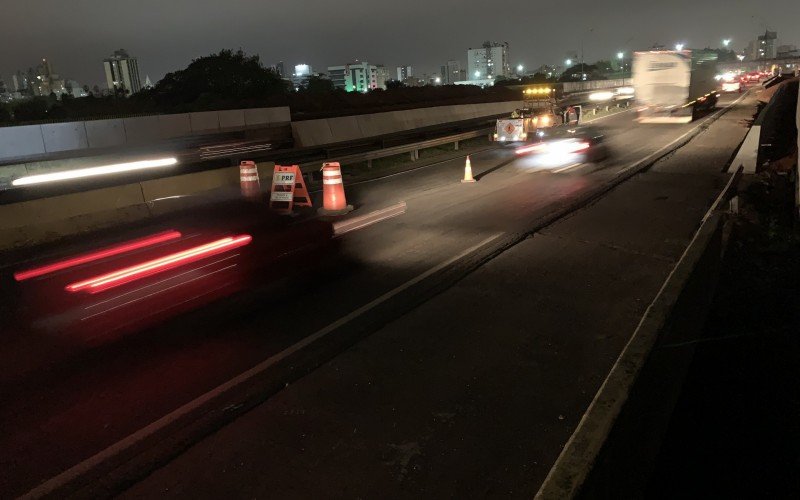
(621, 58)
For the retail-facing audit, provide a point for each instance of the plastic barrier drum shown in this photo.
(334, 202)
(248, 179)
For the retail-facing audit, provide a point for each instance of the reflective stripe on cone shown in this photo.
(333, 198)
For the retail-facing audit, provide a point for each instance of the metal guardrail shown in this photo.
(412, 148)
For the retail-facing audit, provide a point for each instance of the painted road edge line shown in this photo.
(690, 134)
(578, 455)
(355, 223)
(74, 472)
(574, 463)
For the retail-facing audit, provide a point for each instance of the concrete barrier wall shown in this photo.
(612, 451)
(33, 140)
(49, 219)
(27, 140)
(310, 133)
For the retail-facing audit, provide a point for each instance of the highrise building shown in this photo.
(358, 76)
(44, 81)
(488, 62)
(403, 72)
(122, 73)
(452, 73)
(785, 51)
(766, 45)
(302, 72)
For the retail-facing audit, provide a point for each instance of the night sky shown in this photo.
(166, 34)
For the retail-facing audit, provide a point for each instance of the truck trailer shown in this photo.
(674, 86)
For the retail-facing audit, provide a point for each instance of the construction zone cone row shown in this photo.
(248, 180)
(333, 199)
(468, 172)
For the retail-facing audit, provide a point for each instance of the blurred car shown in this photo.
(559, 146)
(733, 85)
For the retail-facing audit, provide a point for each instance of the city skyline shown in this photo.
(182, 30)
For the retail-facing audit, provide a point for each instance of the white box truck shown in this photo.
(673, 86)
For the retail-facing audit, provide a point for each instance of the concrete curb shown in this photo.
(579, 455)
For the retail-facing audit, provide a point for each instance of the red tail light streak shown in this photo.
(97, 255)
(126, 275)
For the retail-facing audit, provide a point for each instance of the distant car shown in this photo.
(734, 85)
(563, 145)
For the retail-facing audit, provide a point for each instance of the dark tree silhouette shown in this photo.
(215, 81)
(394, 84)
(318, 85)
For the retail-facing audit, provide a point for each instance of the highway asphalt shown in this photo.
(450, 382)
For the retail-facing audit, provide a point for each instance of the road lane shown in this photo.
(94, 399)
(474, 392)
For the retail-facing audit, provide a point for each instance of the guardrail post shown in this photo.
(455, 146)
(414, 154)
(369, 163)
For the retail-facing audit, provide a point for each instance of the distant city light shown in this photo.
(568, 62)
(519, 68)
(679, 46)
(740, 57)
(477, 74)
(437, 80)
(620, 55)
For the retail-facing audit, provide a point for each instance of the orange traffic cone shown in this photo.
(468, 172)
(333, 200)
(248, 179)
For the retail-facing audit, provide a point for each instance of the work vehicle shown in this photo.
(538, 112)
(674, 86)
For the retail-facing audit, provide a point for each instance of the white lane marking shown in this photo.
(158, 282)
(139, 299)
(679, 139)
(568, 167)
(616, 113)
(87, 465)
(343, 227)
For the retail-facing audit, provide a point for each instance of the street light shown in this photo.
(726, 42)
(620, 56)
(438, 80)
(519, 68)
(678, 46)
(569, 62)
(477, 74)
